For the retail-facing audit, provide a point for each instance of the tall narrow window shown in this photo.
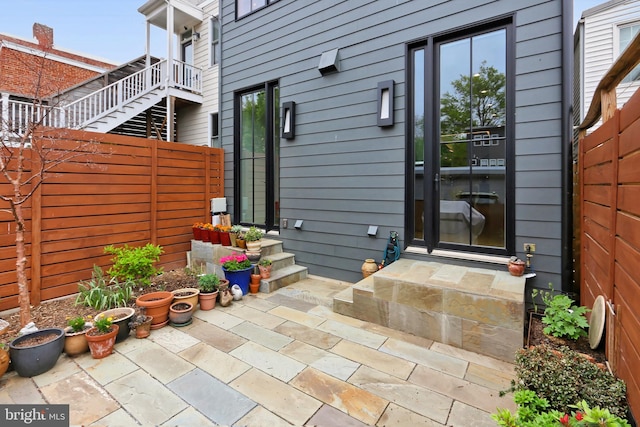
(257, 156)
(213, 125)
(214, 55)
(461, 140)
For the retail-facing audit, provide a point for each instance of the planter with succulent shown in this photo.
(141, 323)
(242, 244)
(102, 337)
(209, 284)
(265, 266)
(233, 234)
(253, 239)
(237, 270)
(75, 341)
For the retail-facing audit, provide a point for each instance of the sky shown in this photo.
(113, 29)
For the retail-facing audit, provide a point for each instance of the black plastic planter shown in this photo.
(37, 359)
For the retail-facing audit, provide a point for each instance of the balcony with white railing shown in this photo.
(17, 115)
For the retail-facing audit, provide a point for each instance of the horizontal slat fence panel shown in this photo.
(121, 190)
(610, 234)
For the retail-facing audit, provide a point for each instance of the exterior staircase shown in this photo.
(284, 270)
(107, 101)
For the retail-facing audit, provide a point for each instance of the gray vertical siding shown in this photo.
(342, 173)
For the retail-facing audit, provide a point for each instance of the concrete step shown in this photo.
(476, 309)
(283, 277)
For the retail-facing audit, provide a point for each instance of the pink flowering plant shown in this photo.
(235, 262)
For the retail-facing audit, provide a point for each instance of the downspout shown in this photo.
(566, 146)
(169, 76)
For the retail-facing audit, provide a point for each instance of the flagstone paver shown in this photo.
(161, 363)
(217, 363)
(211, 397)
(219, 318)
(275, 364)
(328, 416)
(278, 397)
(413, 397)
(308, 335)
(352, 333)
(89, 404)
(173, 339)
(354, 401)
(188, 417)
(396, 415)
(146, 398)
(215, 336)
(262, 336)
(116, 418)
(260, 416)
(451, 365)
(389, 364)
(297, 316)
(255, 316)
(107, 369)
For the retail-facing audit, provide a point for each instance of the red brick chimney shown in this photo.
(44, 35)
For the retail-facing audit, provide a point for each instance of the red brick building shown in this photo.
(36, 70)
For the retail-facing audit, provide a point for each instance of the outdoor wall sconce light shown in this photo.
(385, 103)
(196, 36)
(288, 120)
(329, 62)
(298, 224)
(373, 230)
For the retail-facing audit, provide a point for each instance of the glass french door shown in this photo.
(258, 158)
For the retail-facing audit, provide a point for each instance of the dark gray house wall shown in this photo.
(341, 172)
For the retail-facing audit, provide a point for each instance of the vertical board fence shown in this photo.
(118, 190)
(610, 236)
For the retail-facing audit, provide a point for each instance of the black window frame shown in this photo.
(431, 92)
(252, 10)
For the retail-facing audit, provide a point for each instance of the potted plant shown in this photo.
(119, 316)
(225, 237)
(233, 234)
(141, 323)
(215, 234)
(157, 306)
(189, 295)
(242, 244)
(75, 341)
(265, 266)
(254, 285)
(253, 238)
(197, 230)
(209, 284)
(4, 359)
(102, 337)
(237, 270)
(180, 313)
(206, 236)
(37, 352)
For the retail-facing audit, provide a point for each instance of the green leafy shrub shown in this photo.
(208, 283)
(253, 234)
(134, 263)
(563, 377)
(99, 294)
(563, 319)
(533, 412)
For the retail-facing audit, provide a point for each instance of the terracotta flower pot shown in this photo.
(242, 244)
(265, 271)
(189, 295)
(100, 344)
(75, 343)
(157, 306)
(254, 286)
(121, 317)
(516, 268)
(143, 330)
(208, 300)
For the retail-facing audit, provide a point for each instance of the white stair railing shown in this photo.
(16, 116)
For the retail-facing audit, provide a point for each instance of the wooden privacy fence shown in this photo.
(122, 190)
(609, 164)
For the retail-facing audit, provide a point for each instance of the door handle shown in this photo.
(436, 182)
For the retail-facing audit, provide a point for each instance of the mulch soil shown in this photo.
(537, 336)
(56, 313)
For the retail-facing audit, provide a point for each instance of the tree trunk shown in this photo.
(21, 268)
